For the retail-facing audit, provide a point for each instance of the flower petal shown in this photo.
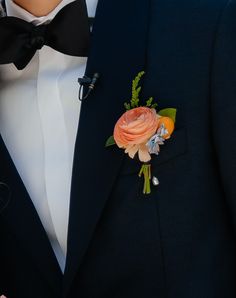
(132, 150)
(143, 153)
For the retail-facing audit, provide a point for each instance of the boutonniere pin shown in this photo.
(141, 130)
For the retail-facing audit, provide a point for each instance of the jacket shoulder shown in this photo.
(191, 10)
(201, 17)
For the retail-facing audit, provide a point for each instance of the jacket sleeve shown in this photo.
(223, 103)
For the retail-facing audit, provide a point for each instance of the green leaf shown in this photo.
(170, 112)
(110, 142)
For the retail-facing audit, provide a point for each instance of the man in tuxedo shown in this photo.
(73, 219)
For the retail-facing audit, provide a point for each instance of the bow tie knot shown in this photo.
(68, 33)
(37, 38)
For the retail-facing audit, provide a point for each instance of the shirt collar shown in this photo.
(15, 10)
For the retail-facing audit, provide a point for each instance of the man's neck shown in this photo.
(38, 8)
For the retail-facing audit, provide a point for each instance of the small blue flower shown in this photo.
(154, 143)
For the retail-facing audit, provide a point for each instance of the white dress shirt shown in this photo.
(39, 114)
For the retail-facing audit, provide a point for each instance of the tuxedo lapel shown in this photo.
(19, 214)
(117, 53)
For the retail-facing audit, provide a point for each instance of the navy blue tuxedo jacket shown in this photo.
(180, 241)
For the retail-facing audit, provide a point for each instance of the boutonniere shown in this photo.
(141, 130)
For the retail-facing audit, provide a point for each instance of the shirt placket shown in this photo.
(56, 151)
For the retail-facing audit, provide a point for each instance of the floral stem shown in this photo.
(146, 172)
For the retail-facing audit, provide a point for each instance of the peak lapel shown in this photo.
(118, 53)
(19, 214)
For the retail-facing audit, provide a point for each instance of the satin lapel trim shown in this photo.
(118, 53)
(22, 219)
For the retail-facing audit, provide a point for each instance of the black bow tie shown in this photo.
(68, 33)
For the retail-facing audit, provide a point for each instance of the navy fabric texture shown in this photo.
(180, 241)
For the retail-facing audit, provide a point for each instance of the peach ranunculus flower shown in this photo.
(134, 129)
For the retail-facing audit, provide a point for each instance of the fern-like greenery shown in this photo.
(150, 104)
(136, 89)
